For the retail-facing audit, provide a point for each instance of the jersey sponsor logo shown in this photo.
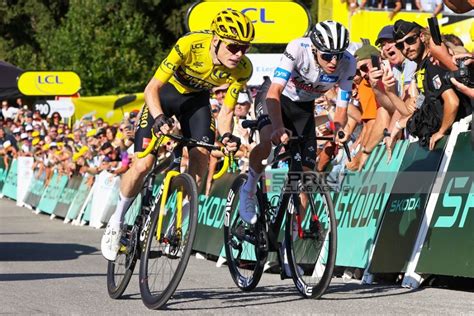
(198, 64)
(190, 81)
(178, 51)
(282, 73)
(345, 95)
(328, 78)
(219, 75)
(197, 46)
(144, 117)
(169, 65)
(288, 55)
(307, 86)
(304, 45)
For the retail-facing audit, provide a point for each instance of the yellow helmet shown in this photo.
(233, 25)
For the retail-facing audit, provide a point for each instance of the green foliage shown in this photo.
(113, 45)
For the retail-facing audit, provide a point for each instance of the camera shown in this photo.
(463, 74)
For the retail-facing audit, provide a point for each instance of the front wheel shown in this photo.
(311, 241)
(245, 244)
(168, 246)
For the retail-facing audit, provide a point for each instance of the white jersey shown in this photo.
(304, 80)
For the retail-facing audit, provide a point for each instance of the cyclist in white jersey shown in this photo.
(308, 68)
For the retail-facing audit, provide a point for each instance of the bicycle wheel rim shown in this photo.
(245, 257)
(315, 254)
(164, 260)
(120, 271)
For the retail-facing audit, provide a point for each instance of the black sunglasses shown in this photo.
(410, 40)
(235, 48)
(363, 68)
(328, 56)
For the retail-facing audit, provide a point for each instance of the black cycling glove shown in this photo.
(161, 120)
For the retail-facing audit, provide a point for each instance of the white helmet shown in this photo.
(330, 37)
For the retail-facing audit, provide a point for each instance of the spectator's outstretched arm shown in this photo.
(450, 108)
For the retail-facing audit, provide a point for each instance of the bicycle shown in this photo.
(162, 234)
(310, 242)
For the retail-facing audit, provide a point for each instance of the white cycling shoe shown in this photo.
(110, 243)
(248, 206)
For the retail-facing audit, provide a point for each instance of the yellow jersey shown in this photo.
(189, 68)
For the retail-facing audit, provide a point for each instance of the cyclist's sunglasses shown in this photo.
(234, 48)
(328, 56)
(410, 40)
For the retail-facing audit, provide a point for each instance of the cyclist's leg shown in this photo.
(130, 186)
(197, 122)
(248, 198)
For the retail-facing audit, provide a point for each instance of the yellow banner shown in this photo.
(276, 22)
(107, 107)
(49, 83)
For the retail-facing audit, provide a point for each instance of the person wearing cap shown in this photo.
(393, 109)
(368, 103)
(180, 88)
(8, 137)
(438, 102)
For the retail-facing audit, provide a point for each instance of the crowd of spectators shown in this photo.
(405, 96)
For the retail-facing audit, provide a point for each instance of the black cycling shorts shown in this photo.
(298, 117)
(192, 111)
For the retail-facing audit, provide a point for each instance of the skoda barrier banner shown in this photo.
(67, 196)
(405, 208)
(10, 184)
(79, 199)
(360, 205)
(3, 174)
(36, 189)
(50, 197)
(209, 234)
(25, 176)
(449, 245)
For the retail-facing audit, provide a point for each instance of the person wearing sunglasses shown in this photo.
(180, 87)
(308, 68)
(441, 105)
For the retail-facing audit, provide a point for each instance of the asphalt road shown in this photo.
(47, 267)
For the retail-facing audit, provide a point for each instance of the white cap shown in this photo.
(6, 144)
(28, 128)
(23, 136)
(243, 98)
(16, 130)
(53, 144)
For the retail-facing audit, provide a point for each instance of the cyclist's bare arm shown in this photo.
(152, 99)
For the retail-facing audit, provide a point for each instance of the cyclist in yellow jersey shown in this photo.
(180, 87)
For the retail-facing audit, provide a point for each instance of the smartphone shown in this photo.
(434, 30)
(375, 61)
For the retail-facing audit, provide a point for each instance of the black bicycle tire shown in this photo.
(240, 280)
(115, 291)
(319, 289)
(157, 301)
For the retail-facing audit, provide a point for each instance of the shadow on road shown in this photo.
(232, 297)
(356, 291)
(45, 276)
(34, 251)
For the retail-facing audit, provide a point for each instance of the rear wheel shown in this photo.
(245, 245)
(166, 253)
(120, 271)
(311, 251)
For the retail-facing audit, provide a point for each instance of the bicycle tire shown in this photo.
(126, 258)
(171, 252)
(315, 253)
(241, 238)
